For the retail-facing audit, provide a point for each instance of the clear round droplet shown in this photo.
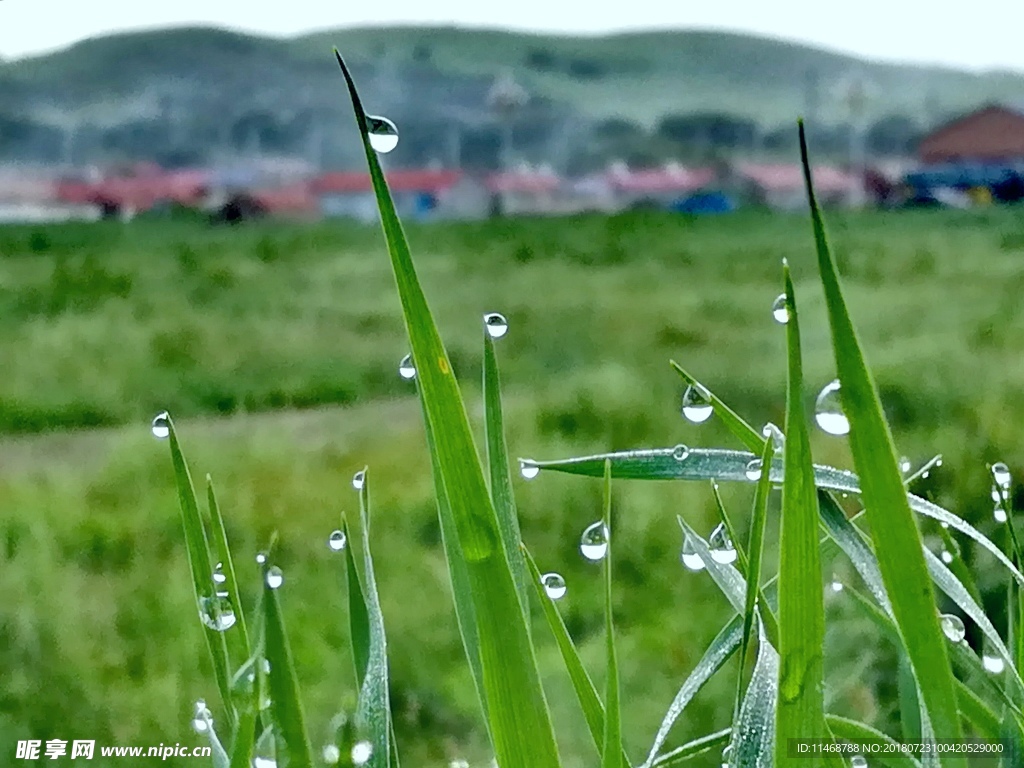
(554, 585)
(904, 465)
(722, 549)
(1001, 474)
(594, 541)
(952, 627)
(680, 452)
(261, 558)
(690, 558)
(216, 612)
(999, 513)
(858, 761)
(753, 469)
(406, 369)
(828, 410)
(496, 324)
(990, 658)
(202, 720)
(946, 556)
(274, 577)
(382, 133)
(331, 754)
(697, 406)
(359, 480)
(997, 494)
(836, 585)
(161, 425)
(528, 469)
(778, 439)
(219, 577)
(780, 310)
(337, 540)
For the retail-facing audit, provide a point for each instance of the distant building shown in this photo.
(526, 190)
(656, 186)
(993, 134)
(349, 194)
(782, 186)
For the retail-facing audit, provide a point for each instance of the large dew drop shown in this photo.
(680, 452)
(274, 577)
(690, 557)
(361, 752)
(496, 325)
(337, 540)
(697, 406)
(594, 541)
(952, 627)
(1001, 474)
(753, 469)
(162, 425)
(382, 133)
(828, 410)
(359, 480)
(202, 720)
(722, 549)
(780, 310)
(528, 469)
(406, 369)
(554, 585)
(216, 612)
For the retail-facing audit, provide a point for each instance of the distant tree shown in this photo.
(711, 129)
(618, 129)
(540, 59)
(422, 53)
(893, 135)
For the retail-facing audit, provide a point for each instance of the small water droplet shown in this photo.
(947, 556)
(359, 480)
(261, 558)
(778, 439)
(753, 470)
(858, 761)
(1001, 474)
(202, 720)
(219, 577)
(594, 541)
(828, 410)
(264, 762)
(528, 469)
(406, 369)
(999, 513)
(997, 495)
(496, 324)
(680, 452)
(161, 425)
(458, 764)
(990, 658)
(697, 406)
(274, 577)
(836, 585)
(337, 540)
(331, 754)
(780, 310)
(944, 525)
(904, 464)
(382, 133)
(554, 585)
(216, 612)
(952, 627)
(722, 549)
(690, 557)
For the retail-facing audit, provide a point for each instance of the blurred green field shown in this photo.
(276, 346)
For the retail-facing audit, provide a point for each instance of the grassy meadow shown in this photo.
(276, 347)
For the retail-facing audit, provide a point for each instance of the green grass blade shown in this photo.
(198, 550)
(373, 712)
(977, 712)
(1013, 741)
(741, 553)
(853, 731)
(740, 429)
(238, 637)
(285, 704)
(910, 704)
(245, 736)
(692, 749)
(899, 550)
(800, 709)
(358, 615)
(611, 753)
(957, 564)
(247, 697)
(753, 736)
(500, 475)
(520, 723)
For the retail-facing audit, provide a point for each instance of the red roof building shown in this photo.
(992, 134)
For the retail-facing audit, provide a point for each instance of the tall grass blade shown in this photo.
(238, 637)
(753, 735)
(611, 753)
(1012, 740)
(910, 704)
(520, 723)
(740, 429)
(853, 731)
(899, 550)
(358, 614)
(247, 695)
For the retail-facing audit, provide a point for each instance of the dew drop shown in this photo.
(997, 495)
(836, 585)
(554, 585)
(406, 369)
(990, 658)
(274, 577)
(753, 470)
(1001, 474)
(331, 754)
(458, 764)
(828, 410)
(999, 513)
(858, 761)
(697, 406)
(219, 577)
(780, 311)
(528, 469)
(496, 324)
(202, 719)
(162, 425)
(382, 133)
(264, 762)
(680, 452)
(594, 541)
(690, 558)
(947, 556)
(337, 540)
(952, 627)
(778, 439)
(261, 558)
(216, 612)
(904, 465)
(722, 549)
(359, 480)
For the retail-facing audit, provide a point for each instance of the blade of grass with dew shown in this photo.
(358, 614)
(899, 550)
(237, 641)
(285, 705)
(611, 752)
(753, 739)
(692, 749)
(1012, 740)
(910, 704)
(500, 475)
(723, 514)
(247, 697)
(740, 429)
(976, 712)
(957, 564)
(521, 730)
(854, 731)
(198, 550)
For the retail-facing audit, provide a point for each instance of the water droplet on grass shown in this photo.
(161, 425)
(947, 556)
(780, 310)
(990, 658)
(1001, 474)
(528, 469)
(216, 612)
(836, 585)
(594, 541)
(753, 470)
(722, 549)
(406, 369)
(778, 439)
(952, 627)
(697, 406)
(337, 540)
(496, 325)
(680, 452)
(274, 577)
(554, 585)
(999, 513)
(261, 558)
(904, 464)
(219, 577)
(382, 133)
(458, 764)
(202, 719)
(359, 480)
(858, 761)
(828, 410)
(690, 557)
(331, 754)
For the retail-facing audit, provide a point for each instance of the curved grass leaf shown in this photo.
(1013, 741)
(691, 749)
(733, 422)
(238, 638)
(611, 752)
(246, 694)
(753, 736)
(358, 615)
(520, 723)
(853, 731)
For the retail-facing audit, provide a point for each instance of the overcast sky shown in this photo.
(978, 35)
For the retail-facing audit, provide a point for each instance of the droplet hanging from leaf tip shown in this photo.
(381, 133)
